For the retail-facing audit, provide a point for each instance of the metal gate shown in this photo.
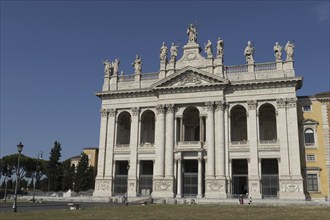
(190, 184)
(269, 185)
(120, 184)
(145, 183)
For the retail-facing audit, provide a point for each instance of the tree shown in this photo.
(68, 175)
(54, 172)
(40, 172)
(26, 166)
(84, 176)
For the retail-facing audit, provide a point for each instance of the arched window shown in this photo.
(191, 124)
(238, 123)
(309, 137)
(148, 127)
(267, 122)
(124, 128)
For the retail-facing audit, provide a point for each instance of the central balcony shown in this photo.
(189, 146)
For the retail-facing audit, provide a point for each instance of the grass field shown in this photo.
(201, 212)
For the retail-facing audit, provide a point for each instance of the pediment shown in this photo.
(189, 76)
(309, 121)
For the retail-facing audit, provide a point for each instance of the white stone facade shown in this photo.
(200, 128)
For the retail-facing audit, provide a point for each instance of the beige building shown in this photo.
(313, 113)
(199, 128)
(92, 154)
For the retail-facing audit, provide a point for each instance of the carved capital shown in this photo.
(280, 103)
(104, 112)
(170, 108)
(292, 102)
(219, 105)
(111, 112)
(209, 106)
(160, 109)
(135, 111)
(252, 104)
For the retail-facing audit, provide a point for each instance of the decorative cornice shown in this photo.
(280, 103)
(160, 109)
(252, 104)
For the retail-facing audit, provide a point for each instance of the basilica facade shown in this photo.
(199, 128)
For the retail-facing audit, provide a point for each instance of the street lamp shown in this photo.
(19, 149)
(35, 182)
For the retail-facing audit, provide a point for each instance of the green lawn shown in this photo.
(200, 212)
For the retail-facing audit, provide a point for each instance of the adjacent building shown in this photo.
(313, 116)
(199, 128)
(92, 154)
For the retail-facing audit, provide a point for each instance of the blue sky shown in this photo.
(52, 52)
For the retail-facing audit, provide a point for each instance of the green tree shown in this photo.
(84, 176)
(68, 175)
(54, 171)
(40, 171)
(26, 166)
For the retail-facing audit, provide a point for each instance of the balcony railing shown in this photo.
(268, 141)
(237, 69)
(126, 78)
(265, 67)
(189, 144)
(148, 76)
(122, 145)
(146, 144)
(238, 142)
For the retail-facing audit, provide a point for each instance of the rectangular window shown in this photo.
(310, 157)
(307, 108)
(312, 182)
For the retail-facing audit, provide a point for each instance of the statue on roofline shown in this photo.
(248, 53)
(278, 51)
(220, 47)
(137, 64)
(107, 68)
(174, 52)
(208, 49)
(289, 49)
(163, 53)
(192, 34)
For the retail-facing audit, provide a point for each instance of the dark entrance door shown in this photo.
(269, 178)
(145, 180)
(120, 183)
(239, 177)
(190, 178)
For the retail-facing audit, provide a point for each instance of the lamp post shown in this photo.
(35, 182)
(19, 149)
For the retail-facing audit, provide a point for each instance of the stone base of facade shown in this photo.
(103, 187)
(254, 188)
(215, 188)
(163, 188)
(132, 187)
(291, 189)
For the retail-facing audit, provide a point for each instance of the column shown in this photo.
(283, 138)
(169, 179)
(220, 139)
(253, 167)
(160, 141)
(210, 139)
(296, 186)
(132, 172)
(161, 187)
(179, 179)
(110, 143)
(181, 129)
(220, 147)
(200, 171)
(212, 185)
(103, 181)
(169, 141)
